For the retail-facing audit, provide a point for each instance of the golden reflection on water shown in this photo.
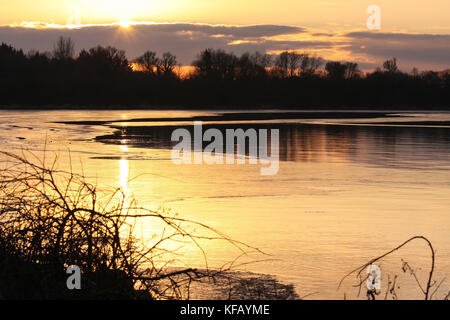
(124, 170)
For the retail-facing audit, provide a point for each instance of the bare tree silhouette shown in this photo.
(149, 61)
(167, 64)
(391, 65)
(64, 49)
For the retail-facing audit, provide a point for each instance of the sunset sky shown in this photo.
(416, 32)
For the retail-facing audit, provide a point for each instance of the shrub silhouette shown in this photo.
(50, 219)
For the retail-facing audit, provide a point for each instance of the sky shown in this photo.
(416, 32)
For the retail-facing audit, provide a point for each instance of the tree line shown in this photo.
(104, 76)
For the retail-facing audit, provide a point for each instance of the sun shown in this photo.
(125, 24)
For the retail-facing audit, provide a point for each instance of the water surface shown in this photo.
(347, 189)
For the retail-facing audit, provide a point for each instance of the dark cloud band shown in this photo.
(186, 39)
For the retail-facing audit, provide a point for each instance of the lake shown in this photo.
(347, 190)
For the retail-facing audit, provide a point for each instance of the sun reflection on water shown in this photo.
(124, 170)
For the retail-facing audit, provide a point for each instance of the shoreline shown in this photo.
(250, 116)
(224, 108)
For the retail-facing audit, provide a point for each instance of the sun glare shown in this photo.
(125, 24)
